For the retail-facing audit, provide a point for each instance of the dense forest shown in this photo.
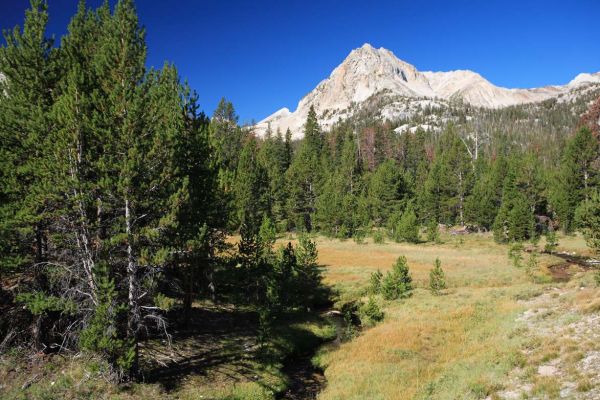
(119, 196)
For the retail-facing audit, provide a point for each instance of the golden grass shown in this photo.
(459, 345)
(442, 347)
(477, 262)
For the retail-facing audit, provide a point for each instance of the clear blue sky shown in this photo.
(264, 55)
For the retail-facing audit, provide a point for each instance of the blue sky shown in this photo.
(264, 55)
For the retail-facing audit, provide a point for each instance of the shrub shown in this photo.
(378, 237)
(532, 263)
(398, 282)
(359, 236)
(370, 313)
(514, 253)
(437, 279)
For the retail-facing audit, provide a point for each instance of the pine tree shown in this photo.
(308, 273)
(273, 158)
(226, 138)
(386, 192)
(28, 64)
(304, 177)
(397, 283)
(576, 177)
(375, 282)
(267, 234)
(551, 241)
(590, 221)
(312, 132)
(430, 196)
(251, 188)
(433, 232)
(484, 201)
(408, 227)
(336, 204)
(456, 172)
(437, 279)
(370, 313)
(515, 220)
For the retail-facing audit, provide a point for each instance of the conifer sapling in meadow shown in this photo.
(375, 282)
(437, 278)
(551, 241)
(370, 312)
(397, 283)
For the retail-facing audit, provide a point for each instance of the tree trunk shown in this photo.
(188, 297)
(461, 199)
(133, 320)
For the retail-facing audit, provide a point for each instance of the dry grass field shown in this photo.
(464, 344)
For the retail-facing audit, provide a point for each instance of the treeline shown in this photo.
(115, 204)
(346, 184)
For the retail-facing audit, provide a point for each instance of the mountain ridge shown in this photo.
(368, 71)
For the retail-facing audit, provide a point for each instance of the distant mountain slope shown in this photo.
(368, 72)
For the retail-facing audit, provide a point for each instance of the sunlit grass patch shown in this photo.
(443, 347)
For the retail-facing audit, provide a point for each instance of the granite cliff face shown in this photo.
(368, 72)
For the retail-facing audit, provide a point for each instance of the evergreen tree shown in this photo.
(430, 196)
(370, 313)
(484, 201)
(437, 279)
(226, 138)
(408, 227)
(28, 63)
(433, 232)
(307, 272)
(375, 282)
(312, 132)
(337, 203)
(251, 188)
(274, 159)
(551, 241)
(386, 192)
(455, 173)
(397, 283)
(267, 234)
(576, 178)
(304, 177)
(515, 219)
(590, 221)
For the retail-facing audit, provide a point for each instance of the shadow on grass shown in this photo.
(218, 340)
(220, 343)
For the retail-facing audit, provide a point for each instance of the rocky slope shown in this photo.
(369, 73)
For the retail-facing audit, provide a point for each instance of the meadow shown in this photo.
(486, 336)
(461, 344)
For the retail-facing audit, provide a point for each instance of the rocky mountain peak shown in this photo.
(368, 71)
